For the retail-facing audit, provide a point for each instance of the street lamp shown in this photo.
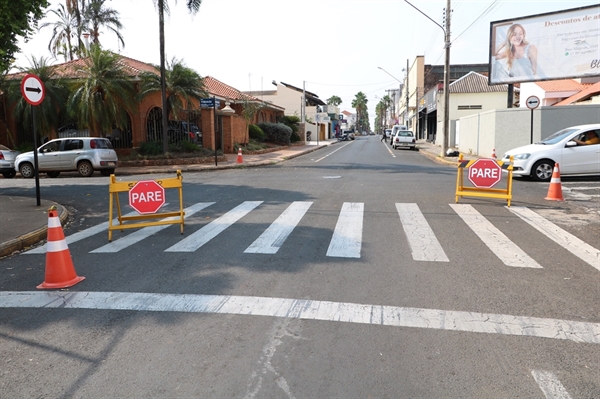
(446, 73)
(399, 89)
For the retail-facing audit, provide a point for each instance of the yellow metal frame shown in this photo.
(462, 191)
(115, 187)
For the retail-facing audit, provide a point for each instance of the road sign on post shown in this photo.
(33, 89)
(485, 173)
(147, 196)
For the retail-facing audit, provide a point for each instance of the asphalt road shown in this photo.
(347, 272)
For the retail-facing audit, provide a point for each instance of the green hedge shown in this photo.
(276, 132)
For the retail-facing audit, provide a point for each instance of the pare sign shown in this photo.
(485, 173)
(147, 196)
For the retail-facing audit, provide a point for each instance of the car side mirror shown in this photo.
(571, 144)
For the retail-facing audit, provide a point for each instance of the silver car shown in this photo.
(82, 154)
(7, 161)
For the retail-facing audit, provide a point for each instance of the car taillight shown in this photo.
(1, 155)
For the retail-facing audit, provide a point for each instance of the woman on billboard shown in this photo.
(516, 58)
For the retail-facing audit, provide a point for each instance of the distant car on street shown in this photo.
(404, 139)
(566, 147)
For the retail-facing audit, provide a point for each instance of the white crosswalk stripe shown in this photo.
(550, 385)
(508, 252)
(423, 243)
(565, 239)
(347, 237)
(194, 241)
(271, 240)
(139, 235)
(99, 228)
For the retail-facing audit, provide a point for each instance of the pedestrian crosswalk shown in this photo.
(347, 234)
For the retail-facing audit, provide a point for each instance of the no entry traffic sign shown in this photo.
(485, 173)
(33, 89)
(147, 196)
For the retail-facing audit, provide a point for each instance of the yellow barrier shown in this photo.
(115, 187)
(462, 191)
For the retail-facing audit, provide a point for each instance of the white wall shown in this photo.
(505, 129)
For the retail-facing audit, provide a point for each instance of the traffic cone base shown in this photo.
(60, 272)
(239, 156)
(555, 189)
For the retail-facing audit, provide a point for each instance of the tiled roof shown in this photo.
(474, 82)
(562, 85)
(219, 89)
(592, 90)
(69, 69)
(347, 113)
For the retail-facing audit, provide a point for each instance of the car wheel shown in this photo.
(107, 172)
(542, 170)
(9, 175)
(27, 170)
(53, 174)
(85, 169)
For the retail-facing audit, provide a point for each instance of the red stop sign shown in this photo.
(147, 196)
(485, 173)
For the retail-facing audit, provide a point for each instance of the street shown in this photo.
(346, 272)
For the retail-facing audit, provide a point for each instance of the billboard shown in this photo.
(558, 45)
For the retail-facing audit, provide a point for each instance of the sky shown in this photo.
(331, 47)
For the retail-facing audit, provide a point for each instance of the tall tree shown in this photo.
(64, 30)
(334, 100)
(17, 18)
(98, 15)
(103, 94)
(77, 9)
(182, 84)
(163, 6)
(360, 105)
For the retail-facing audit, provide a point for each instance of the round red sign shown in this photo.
(485, 173)
(147, 196)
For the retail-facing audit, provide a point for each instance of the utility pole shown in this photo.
(406, 121)
(447, 82)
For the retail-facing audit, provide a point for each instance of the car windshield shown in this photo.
(558, 136)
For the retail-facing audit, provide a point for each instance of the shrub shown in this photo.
(291, 121)
(256, 133)
(276, 132)
(295, 137)
(24, 147)
(150, 148)
(184, 146)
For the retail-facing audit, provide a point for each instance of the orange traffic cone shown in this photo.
(494, 153)
(239, 157)
(60, 272)
(555, 189)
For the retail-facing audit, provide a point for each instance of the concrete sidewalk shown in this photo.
(25, 224)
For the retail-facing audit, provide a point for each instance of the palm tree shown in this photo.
(163, 5)
(334, 100)
(97, 15)
(103, 94)
(360, 104)
(49, 111)
(63, 31)
(77, 9)
(182, 85)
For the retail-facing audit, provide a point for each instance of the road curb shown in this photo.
(18, 244)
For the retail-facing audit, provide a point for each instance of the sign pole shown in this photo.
(532, 103)
(214, 105)
(33, 91)
(531, 129)
(35, 157)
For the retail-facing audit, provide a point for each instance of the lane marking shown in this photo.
(194, 241)
(146, 232)
(99, 228)
(550, 385)
(508, 252)
(436, 319)
(273, 238)
(332, 152)
(423, 243)
(389, 149)
(347, 236)
(577, 247)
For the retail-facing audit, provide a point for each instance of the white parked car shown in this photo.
(566, 147)
(82, 154)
